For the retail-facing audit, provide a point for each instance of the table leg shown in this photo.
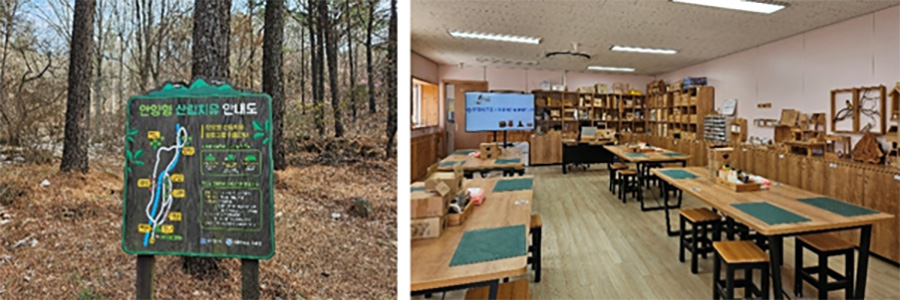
(862, 263)
(669, 231)
(775, 261)
(492, 294)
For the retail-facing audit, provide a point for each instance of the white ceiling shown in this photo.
(699, 33)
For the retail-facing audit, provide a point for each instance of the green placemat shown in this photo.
(490, 244)
(450, 163)
(769, 213)
(508, 161)
(636, 155)
(509, 185)
(417, 189)
(463, 152)
(838, 207)
(672, 154)
(678, 174)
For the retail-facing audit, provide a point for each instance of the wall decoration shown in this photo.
(872, 108)
(843, 111)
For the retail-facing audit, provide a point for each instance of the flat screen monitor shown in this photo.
(499, 111)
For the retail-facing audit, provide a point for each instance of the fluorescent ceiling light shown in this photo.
(751, 6)
(495, 37)
(642, 50)
(615, 69)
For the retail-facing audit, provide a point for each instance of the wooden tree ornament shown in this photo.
(868, 150)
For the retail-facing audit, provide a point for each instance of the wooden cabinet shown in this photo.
(815, 177)
(881, 191)
(845, 182)
(546, 148)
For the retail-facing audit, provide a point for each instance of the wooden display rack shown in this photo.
(568, 111)
(680, 111)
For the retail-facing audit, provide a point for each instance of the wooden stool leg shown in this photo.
(798, 267)
(823, 277)
(717, 268)
(536, 239)
(703, 236)
(612, 180)
(681, 236)
(764, 290)
(748, 277)
(729, 281)
(622, 188)
(694, 255)
(848, 274)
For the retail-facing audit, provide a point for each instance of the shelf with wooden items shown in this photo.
(681, 112)
(568, 111)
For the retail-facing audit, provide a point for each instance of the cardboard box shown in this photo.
(452, 180)
(425, 204)
(426, 228)
(600, 88)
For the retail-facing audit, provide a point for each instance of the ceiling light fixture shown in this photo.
(642, 50)
(614, 69)
(751, 6)
(495, 37)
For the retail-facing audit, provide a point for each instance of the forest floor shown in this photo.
(62, 241)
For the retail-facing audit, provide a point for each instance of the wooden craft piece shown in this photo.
(895, 102)
(789, 117)
(868, 150)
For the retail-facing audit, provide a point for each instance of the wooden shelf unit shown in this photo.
(680, 111)
(567, 111)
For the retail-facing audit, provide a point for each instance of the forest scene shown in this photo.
(67, 70)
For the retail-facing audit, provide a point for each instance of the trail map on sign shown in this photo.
(198, 173)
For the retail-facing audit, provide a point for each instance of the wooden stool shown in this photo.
(508, 290)
(628, 182)
(739, 255)
(824, 245)
(535, 248)
(701, 219)
(613, 180)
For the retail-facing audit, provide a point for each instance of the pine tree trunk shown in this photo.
(209, 60)
(392, 80)
(302, 69)
(75, 147)
(320, 67)
(331, 49)
(371, 77)
(271, 75)
(212, 28)
(350, 57)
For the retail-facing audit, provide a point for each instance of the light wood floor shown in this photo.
(596, 247)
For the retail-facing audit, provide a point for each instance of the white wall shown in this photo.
(799, 72)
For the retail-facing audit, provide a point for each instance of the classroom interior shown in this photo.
(655, 149)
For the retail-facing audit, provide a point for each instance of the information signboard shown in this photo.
(198, 173)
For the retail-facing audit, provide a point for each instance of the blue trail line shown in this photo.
(159, 182)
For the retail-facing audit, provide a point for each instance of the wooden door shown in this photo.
(461, 138)
(845, 183)
(881, 190)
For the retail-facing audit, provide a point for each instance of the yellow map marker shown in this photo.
(187, 151)
(143, 183)
(144, 228)
(178, 193)
(175, 216)
(176, 178)
(167, 228)
(153, 134)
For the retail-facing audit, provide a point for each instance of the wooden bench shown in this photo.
(508, 290)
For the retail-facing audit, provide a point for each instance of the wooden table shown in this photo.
(472, 164)
(702, 187)
(642, 163)
(809, 146)
(430, 258)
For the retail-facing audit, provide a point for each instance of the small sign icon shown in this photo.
(167, 229)
(144, 228)
(202, 241)
(187, 151)
(153, 135)
(175, 216)
(229, 242)
(143, 183)
(177, 177)
(178, 193)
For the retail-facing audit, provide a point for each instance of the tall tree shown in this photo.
(212, 28)
(75, 147)
(271, 75)
(371, 79)
(392, 79)
(320, 66)
(331, 49)
(351, 56)
(209, 59)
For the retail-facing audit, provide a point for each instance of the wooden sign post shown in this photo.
(198, 178)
